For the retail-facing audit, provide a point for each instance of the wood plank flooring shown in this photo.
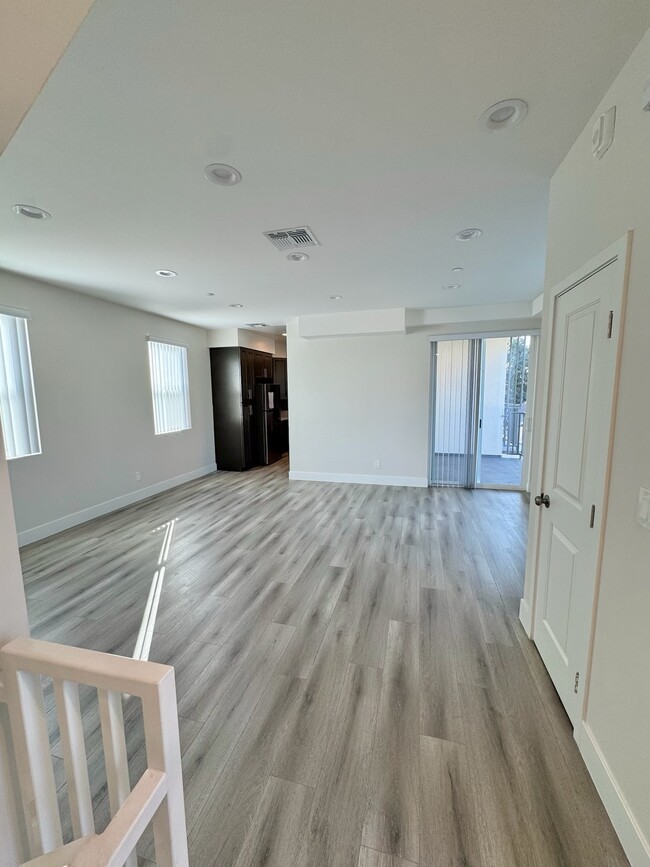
(354, 686)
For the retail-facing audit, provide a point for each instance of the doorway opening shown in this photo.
(482, 388)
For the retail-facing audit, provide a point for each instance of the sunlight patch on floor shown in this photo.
(145, 635)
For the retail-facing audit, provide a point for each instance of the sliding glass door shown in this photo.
(456, 366)
(482, 388)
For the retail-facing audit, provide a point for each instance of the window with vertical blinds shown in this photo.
(456, 375)
(17, 399)
(170, 387)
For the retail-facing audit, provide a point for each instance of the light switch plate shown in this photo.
(643, 515)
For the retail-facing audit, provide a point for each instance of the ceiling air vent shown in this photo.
(289, 239)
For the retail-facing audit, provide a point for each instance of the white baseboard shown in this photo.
(633, 840)
(353, 479)
(526, 616)
(44, 530)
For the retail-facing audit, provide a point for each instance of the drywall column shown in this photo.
(13, 623)
(359, 408)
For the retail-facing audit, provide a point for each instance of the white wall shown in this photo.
(353, 323)
(256, 340)
(354, 400)
(94, 403)
(259, 340)
(280, 350)
(494, 389)
(592, 204)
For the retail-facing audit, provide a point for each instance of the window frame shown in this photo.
(157, 387)
(30, 403)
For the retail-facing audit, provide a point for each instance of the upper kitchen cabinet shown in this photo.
(280, 377)
(263, 365)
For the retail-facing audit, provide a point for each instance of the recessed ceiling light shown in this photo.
(456, 270)
(236, 305)
(504, 115)
(297, 257)
(165, 273)
(257, 325)
(220, 173)
(31, 211)
(468, 234)
(336, 297)
(452, 286)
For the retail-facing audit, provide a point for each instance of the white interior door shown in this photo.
(582, 376)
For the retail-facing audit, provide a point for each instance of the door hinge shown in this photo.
(576, 682)
(610, 323)
(592, 518)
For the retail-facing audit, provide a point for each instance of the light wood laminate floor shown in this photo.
(354, 685)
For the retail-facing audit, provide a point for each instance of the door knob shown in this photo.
(543, 498)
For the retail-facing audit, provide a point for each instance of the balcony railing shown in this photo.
(513, 432)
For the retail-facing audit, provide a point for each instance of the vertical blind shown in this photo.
(17, 399)
(455, 378)
(169, 386)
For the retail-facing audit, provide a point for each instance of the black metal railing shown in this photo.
(513, 432)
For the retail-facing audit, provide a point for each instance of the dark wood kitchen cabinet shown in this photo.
(235, 372)
(248, 373)
(263, 365)
(280, 377)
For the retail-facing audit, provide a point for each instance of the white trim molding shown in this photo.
(484, 335)
(42, 531)
(354, 479)
(633, 840)
(526, 616)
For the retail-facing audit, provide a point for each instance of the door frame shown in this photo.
(533, 354)
(617, 255)
(535, 334)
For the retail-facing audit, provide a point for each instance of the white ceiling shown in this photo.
(358, 118)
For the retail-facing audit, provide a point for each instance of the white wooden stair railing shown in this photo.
(157, 796)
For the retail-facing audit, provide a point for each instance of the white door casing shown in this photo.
(533, 360)
(582, 377)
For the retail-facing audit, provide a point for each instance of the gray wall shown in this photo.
(93, 394)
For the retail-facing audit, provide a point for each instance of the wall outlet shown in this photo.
(138, 476)
(377, 464)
